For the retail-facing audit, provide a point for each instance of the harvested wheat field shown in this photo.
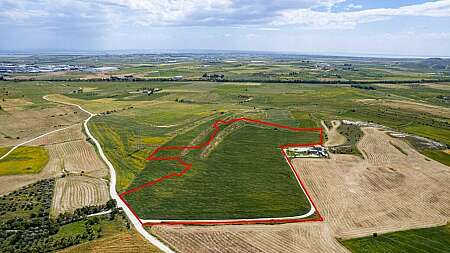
(14, 182)
(333, 135)
(68, 152)
(122, 242)
(393, 188)
(305, 237)
(77, 157)
(72, 133)
(29, 123)
(72, 192)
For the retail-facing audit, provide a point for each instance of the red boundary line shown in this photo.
(187, 167)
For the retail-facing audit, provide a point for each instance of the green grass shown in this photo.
(441, 135)
(71, 229)
(353, 134)
(432, 240)
(119, 96)
(105, 226)
(437, 155)
(4, 151)
(245, 176)
(121, 134)
(306, 119)
(421, 124)
(24, 160)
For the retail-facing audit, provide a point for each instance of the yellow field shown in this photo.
(122, 242)
(24, 160)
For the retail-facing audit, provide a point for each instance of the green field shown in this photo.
(432, 240)
(229, 182)
(243, 175)
(4, 151)
(438, 155)
(24, 160)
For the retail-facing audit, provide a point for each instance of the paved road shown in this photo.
(99, 213)
(112, 186)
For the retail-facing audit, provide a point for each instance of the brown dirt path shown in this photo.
(334, 137)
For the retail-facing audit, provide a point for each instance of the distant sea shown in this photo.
(27, 53)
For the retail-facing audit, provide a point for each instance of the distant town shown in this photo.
(34, 68)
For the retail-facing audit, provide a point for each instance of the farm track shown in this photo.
(71, 133)
(334, 137)
(52, 168)
(72, 192)
(112, 185)
(387, 191)
(220, 136)
(27, 124)
(25, 120)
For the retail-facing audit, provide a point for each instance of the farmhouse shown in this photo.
(307, 152)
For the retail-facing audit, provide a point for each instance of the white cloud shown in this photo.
(18, 15)
(348, 20)
(354, 6)
(259, 14)
(269, 29)
(158, 12)
(167, 12)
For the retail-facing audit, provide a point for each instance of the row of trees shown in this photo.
(221, 78)
(364, 87)
(39, 233)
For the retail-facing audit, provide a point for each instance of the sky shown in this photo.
(341, 27)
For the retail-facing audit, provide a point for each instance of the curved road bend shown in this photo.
(112, 186)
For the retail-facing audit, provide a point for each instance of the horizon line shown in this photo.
(13, 52)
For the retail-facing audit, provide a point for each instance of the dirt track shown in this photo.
(334, 137)
(386, 191)
(29, 123)
(68, 150)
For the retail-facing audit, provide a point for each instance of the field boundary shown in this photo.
(187, 167)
